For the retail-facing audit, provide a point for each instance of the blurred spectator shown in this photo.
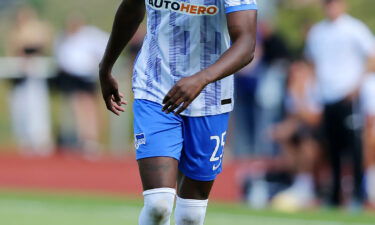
(298, 134)
(339, 48)
(246, 108)
(368, 103)
(28, 39)
(259, 92)
(271, 86)
(78, 53)
(274, 45)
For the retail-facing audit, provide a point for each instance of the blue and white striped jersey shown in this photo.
(184, 37)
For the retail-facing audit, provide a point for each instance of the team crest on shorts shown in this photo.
(139, 139)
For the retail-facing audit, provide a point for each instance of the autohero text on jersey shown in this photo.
(183, 7)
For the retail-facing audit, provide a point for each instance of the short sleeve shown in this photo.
(239, 5)
(365, 40)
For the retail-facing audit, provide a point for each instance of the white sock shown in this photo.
(158, 205)
(190, 211)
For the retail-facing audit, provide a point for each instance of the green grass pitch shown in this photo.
(36, 208)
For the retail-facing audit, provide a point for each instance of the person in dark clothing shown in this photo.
(340, 48)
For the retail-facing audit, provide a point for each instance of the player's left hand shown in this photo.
(184, 92)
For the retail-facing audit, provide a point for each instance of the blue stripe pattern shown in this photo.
(153, 64)
(179, 45)
(211, 37)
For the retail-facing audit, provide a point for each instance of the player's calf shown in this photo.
(158, 205)
(190, 211)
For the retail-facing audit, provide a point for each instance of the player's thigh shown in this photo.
(188, 188)
(158, 143)
(202, 155)
(158, 172)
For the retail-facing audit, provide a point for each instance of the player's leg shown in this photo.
(157, 172)
(193, 189)
(158, 143)
(200, 163)
(192, 200)
(158, 177)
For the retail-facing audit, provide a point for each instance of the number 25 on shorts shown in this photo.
(220, 142)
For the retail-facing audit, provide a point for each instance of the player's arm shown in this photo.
(242, 30)
(127, 20)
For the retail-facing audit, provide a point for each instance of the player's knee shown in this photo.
(158, 204)
(160, 210)
(190, 211)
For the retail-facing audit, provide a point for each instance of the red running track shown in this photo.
(112, 176)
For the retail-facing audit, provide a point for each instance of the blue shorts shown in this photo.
(196, 142)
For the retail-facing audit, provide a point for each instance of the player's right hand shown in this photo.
(112, 97)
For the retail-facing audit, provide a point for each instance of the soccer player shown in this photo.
(183, 92)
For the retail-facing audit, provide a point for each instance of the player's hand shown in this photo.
(112, 97)
(183, 93)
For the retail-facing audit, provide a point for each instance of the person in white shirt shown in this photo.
(341, 48)
(29, 41)
(78, 52)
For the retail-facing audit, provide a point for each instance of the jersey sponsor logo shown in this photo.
(139, 139)
(183, 7)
